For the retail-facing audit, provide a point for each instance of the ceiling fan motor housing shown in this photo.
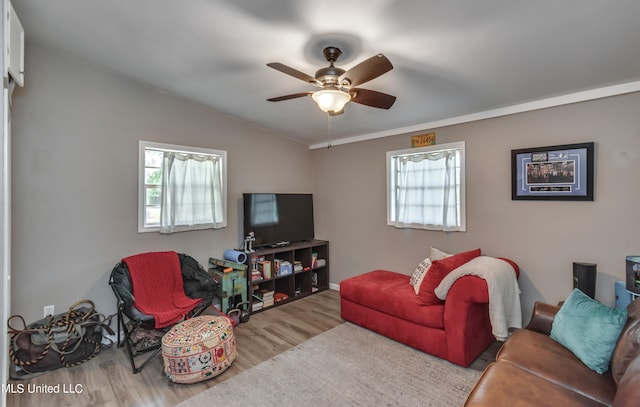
(330, 74)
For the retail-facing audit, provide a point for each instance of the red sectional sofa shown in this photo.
(457, 329)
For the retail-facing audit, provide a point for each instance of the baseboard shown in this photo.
(333, 286)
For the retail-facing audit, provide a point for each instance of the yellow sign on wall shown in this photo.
(423, 140)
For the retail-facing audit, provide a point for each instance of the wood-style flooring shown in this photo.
(107, 380)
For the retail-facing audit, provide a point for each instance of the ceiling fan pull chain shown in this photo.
(329, 129)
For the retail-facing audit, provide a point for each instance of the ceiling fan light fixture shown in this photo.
(331, 100)
(337, 86)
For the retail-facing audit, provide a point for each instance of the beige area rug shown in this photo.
(345, 366)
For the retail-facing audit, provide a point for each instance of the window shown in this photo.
(181, 188)
(425, 188)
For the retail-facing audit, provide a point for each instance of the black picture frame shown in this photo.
(553, 173)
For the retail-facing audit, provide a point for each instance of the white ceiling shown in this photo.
(451, 58)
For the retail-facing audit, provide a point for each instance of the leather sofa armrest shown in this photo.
(542, 317)
(629, 387)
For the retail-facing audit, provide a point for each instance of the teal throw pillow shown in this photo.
(588, 329)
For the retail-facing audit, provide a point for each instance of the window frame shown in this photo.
(142, 147)
(391, 184)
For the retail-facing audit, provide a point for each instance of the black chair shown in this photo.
(140, 334)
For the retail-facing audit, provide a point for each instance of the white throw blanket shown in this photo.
(504, 293)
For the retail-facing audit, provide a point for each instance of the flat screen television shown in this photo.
(278, 219)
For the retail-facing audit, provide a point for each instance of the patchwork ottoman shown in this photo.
(198, 349)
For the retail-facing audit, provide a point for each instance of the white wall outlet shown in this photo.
(49, 310)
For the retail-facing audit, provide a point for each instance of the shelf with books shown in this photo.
(292, 272)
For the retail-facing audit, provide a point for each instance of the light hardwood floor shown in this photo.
(107, 380)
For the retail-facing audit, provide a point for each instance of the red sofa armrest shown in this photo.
(468, 289)
(466, 320)
(467, 295)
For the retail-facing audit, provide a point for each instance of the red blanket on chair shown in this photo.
(158, 290)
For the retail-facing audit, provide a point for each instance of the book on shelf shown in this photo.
(256, 275)
(314, 260)
(284, 268)
(297, 266)
(267, 303)
(263, 294)
(267, 297)
(256, 303)
(317, 263)
(264, 267)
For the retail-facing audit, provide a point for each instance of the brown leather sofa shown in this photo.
(531, 369)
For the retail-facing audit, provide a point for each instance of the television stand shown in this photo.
(278, 275)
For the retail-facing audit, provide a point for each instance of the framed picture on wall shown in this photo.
(558, 173)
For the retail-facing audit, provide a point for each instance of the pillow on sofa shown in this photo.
(438, 270)
(437, 254)
(423, 267)
(588, 329)
(419, 273)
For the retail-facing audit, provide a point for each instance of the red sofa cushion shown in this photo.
(438, 270)
(391, 293)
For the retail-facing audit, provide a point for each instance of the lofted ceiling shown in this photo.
(452, 59)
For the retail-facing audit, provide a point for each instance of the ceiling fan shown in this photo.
(338, 86)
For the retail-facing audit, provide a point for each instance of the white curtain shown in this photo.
(192, 196)
(427, 191)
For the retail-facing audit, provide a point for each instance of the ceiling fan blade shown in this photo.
(292, 96)
(367, 70)
(294, 72)
(372, 98)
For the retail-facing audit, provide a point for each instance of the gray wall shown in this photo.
(544, 238)
(74, 151)
(75, 144)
